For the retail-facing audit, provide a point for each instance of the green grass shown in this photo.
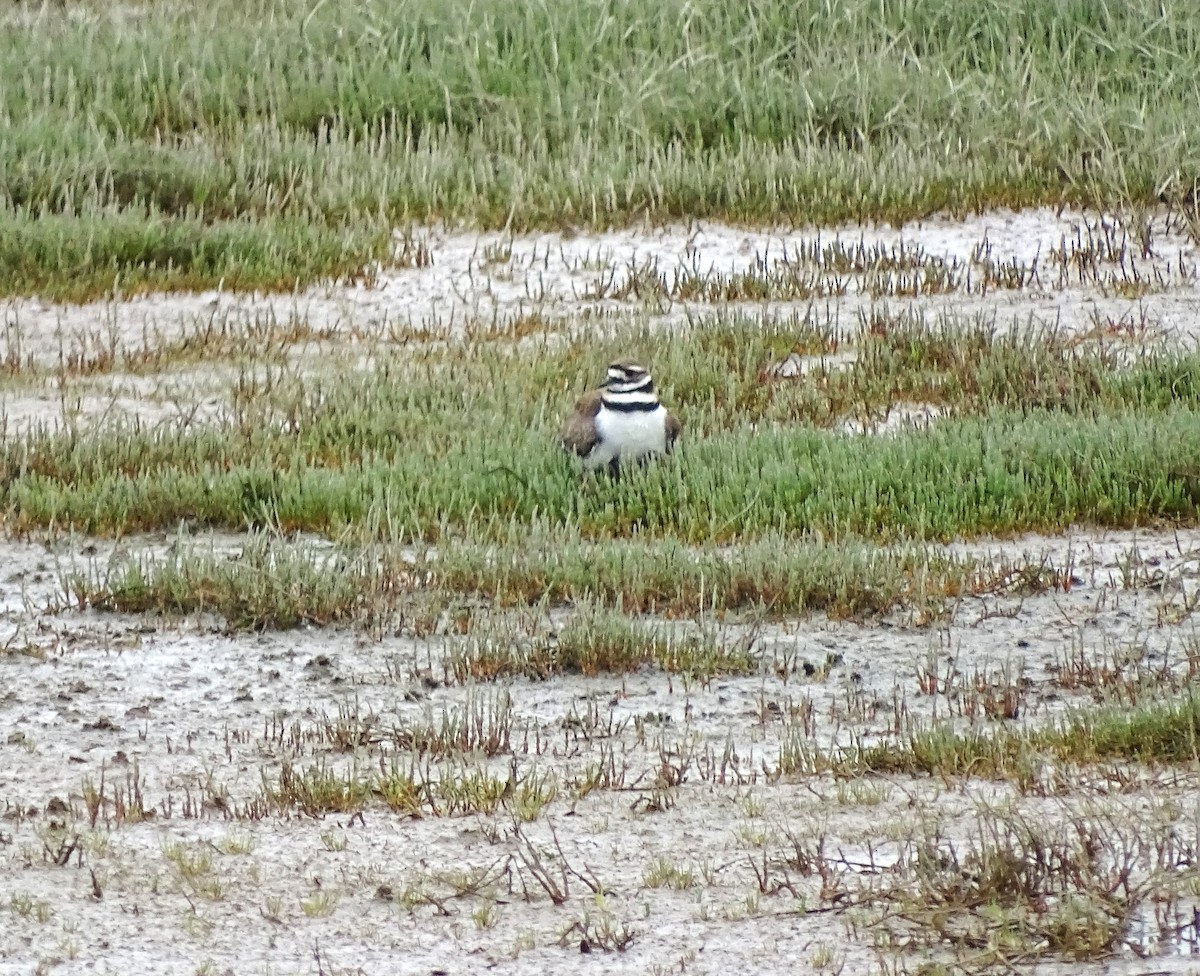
(278, 140)
(965, 478)
(267, 586)
(767, 506)
(1157, 733)
(598, 639)
(273, 584)
(451, 439)
(132, 249)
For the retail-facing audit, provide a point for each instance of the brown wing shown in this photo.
(674, 427)
(578, 434)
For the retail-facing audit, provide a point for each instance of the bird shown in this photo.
(622, 421)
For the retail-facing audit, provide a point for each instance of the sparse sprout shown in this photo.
(484, 916)
(825, 957)
(319, 904)
(663, 872)
(334, 841)
(239, 842)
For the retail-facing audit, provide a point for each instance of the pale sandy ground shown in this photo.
(486, 277)
(193, 714)
(199, 719)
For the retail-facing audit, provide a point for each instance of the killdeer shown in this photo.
(622, 421)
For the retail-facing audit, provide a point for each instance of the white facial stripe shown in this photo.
(629, 398)
(643, 383)
(627, 375)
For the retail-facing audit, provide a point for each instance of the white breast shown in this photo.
(629, 436)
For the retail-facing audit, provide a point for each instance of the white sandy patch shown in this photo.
(188, 714)
(1118, 288)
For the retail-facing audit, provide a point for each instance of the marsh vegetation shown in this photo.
(317, 652)
(266, 143)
